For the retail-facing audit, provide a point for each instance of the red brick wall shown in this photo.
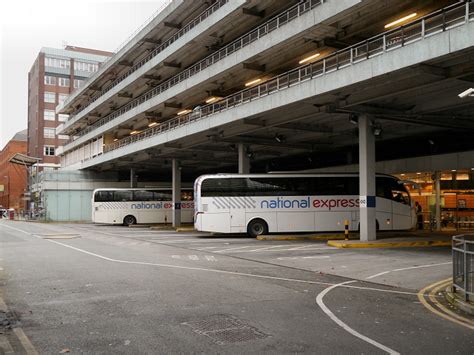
(12, 176)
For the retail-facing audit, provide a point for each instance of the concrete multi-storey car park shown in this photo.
(278, 85)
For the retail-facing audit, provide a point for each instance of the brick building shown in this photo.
(13, 177)
(53, 76)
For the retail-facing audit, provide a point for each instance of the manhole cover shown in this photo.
(225, 329)
(59, 236)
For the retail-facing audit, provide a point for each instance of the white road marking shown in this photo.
(304, 257)
(193, 257)
(224, 272)
(272, 247)
(406, 268)
(210, 258)
(319, 301)
(228, 249)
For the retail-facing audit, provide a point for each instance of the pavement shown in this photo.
(111, 289)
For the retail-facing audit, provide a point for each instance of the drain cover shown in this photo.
(225, 329)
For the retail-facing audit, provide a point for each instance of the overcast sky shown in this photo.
(28, 25)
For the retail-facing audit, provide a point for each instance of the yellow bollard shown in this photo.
(346, 229)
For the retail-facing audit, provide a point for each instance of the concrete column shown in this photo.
(176, 192)
(133, 178)
(437, 182)
(367, 180)
(244, 160)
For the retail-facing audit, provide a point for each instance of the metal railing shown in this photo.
(463, 265)
(205, 14)
(437, 22)
(243, 41)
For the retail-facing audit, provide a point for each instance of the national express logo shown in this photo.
(159, 205)
(281, 202)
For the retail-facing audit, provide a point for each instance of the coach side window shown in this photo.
(104, 196)
(122, 196)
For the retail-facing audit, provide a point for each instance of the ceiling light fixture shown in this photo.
(180, 113)
(311, 57)
(134, 132)
(250, 83)
(212, 99)
(153, 124)
(400, 20)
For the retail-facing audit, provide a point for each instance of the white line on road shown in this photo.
(225, 272)
(304, 257)
(272, 247)
(230, 249)
(406, 268)
(319, 301)
(273, 250)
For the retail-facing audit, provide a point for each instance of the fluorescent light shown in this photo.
(153, 124)
(453, 170)
(183, 112)
(307, 59)
(250, 83)
(115, 139)
(212, 99)
(400, 20)
(134, 132)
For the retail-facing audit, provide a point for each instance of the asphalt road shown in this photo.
(104, 289)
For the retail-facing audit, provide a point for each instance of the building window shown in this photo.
(49, 80)
(49, 133)
(85, 66)
(49, 150)
(62, 117)
(49, 97)
(63, 82)
(63, 136)
(62, 98)
(57, 62)
(49, 115)
(78, 83)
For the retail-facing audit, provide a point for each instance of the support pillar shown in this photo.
(176, 187)
(133, 178)
(437, 182)
(244, 160)
(367, 180)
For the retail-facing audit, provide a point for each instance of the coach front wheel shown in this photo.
(257, 227)
(129, 220)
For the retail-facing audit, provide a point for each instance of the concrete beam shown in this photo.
(125, 94)
(317, 128)
(151, 77)
(253, 12)
(172, 105)
(149, 114)
(244, 159)
(254, 66)
(172, 25)
(126, 63)
(172, 65)
(151, 40)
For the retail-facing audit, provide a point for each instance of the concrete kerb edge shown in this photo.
(455, 301)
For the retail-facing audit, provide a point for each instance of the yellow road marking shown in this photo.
(421, 298)
(29, 348)
(425, 243)
(432, 297)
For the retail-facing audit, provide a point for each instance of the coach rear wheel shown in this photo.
(129, 220)
(257, 227)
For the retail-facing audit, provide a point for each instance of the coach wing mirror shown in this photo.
(413, 183)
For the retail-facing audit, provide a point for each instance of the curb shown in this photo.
(455, 301)
(185, 229)
(407, 244)
(304, 237)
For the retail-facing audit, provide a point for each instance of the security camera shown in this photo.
(468, 92)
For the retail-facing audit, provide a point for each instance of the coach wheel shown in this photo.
(129, 220)
(257, 227)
